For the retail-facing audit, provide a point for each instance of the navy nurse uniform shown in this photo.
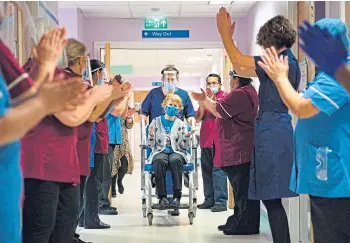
(273, 154)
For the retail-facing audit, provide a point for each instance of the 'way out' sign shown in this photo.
(156, 23)
(155, 34)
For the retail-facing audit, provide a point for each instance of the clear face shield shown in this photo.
(103, 76)
(8, 33)
(170, 81)
(86, 73)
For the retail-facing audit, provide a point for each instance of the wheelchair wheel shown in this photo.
(150, 218)
(191, 217)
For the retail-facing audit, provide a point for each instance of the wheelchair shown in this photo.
(190, 171)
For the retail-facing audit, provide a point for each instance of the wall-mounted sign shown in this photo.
(159, 83)
(165, 34)
(156, 23)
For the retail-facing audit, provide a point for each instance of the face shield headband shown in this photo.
(104, 78)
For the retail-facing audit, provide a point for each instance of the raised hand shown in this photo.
(275, 67)
(62, 94)
(224, 25)
(101, 92)
(199, 96)
(124, 90)
(50, 47)
(189, 134)
(327, 52)
(210, 94)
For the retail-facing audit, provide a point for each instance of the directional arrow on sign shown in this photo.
(163, 22)
(146, 34)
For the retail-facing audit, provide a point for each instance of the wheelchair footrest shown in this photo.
(182, 206)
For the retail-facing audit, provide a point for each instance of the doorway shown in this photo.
(141, 65)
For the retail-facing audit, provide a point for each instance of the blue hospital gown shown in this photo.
(10, 180)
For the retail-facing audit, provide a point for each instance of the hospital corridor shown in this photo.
(130, 226)
(174, 121)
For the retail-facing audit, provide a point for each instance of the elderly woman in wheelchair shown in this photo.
(169, 138)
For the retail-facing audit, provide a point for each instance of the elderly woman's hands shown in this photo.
(151, 131)
(275, 67)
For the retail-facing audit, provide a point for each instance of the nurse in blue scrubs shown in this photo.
(152, 105)
(322, 140)
(273, 134)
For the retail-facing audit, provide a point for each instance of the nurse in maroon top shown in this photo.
(51, 164)
(214, 179)
(235, 117)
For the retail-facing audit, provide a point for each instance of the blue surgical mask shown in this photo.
(169, 86)
(214, 89)
(171, 110)
(99, 81)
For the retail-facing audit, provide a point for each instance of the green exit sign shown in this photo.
(156, 23)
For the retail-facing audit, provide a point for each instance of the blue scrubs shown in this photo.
(152, 105)
(329, 128)
(92, 146)
(114, 129)
(10, 180)
(273, 137)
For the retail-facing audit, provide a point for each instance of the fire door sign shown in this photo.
(156, 23)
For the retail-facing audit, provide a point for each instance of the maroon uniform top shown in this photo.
(17, 80)
(84, 135)
(236, 127)
(102, 139)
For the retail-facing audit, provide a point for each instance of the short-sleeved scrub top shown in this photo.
(273, 138)
(10, 180)
(323, 138)
(114, 129)
(208, 132)
(49, 151)
(152, 105)
(236, 127)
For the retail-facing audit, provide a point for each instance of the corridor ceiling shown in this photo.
(170, 9)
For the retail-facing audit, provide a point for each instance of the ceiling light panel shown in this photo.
(218, 2)
(103, 9)
(102, 3)
(162, 8)
(200, 8)
(108, 15)
(184, 3)
(151, 14)
(153, 3)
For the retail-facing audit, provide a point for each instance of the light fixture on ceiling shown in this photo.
(155, 10)
(219, 2)
(198, 59)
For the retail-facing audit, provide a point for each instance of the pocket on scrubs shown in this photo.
(228, 147)
(330, 162)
